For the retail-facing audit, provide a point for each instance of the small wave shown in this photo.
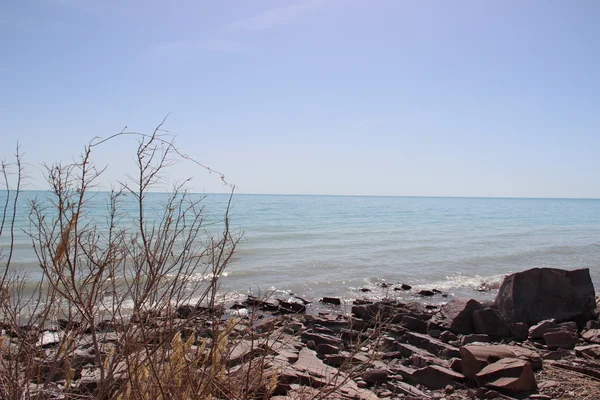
(459, 281)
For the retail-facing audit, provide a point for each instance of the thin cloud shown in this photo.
(187, 47)
(275, 17)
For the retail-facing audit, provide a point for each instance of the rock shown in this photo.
(404, 286)
(432, 345)
(437, 377)
(49, 339)
(537, 331)
(375, 376)
(455, 364)
(592, 335)
(543, 293)
(490, 322)
(414, 324)
(319, 338)
(436, 333)
(519, 331)
(457, 315)
(588, 351)
(364, 290)
(466, 339)
(426, 293)
(476, 357)
(448, 336)
(331, 300)
(290, 307)
(323, 349)
(309, 368)
(591, 324)
(561, 339)
(407, 390)
(508, 374)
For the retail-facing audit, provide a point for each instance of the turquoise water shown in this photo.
(335, 245)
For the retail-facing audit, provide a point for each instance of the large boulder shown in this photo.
(543, 293)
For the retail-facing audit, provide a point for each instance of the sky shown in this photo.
(378, 97)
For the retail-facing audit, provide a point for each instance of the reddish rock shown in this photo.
(561, 339)
(519, 331)
(489, 321)
(592, 335)
(414, 324)
(375, 376)
(331, 300)
(448, 336)
(432, 345)
(437, 377)
(476, 357)
(466, 339)
(457, 315)
(540, 329)
(508, 374)
(588, 351)
(543, 293)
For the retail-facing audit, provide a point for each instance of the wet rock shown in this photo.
(364, 290)
(543, 293)
(457, 315)
(289, 307)
(490, 322)
(426, 293)
(508, 374)
(331, 300)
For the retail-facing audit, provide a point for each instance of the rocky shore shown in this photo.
(540, 339)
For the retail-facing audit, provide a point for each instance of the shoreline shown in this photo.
(462, 349)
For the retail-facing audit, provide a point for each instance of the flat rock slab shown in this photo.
(477, 357)
(589, 351)
(508, 374)
(561, 340)
(432, 345)
(437, 377)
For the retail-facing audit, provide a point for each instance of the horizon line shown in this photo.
(357, 195)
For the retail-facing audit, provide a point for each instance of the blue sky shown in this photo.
(434, 98)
